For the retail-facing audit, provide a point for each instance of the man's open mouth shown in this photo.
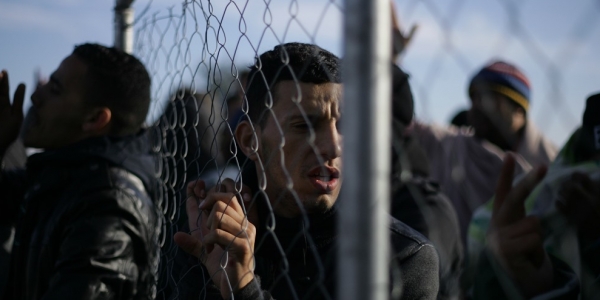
(325, 179)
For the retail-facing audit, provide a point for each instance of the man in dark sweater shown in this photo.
(274, 235)
(83, 209)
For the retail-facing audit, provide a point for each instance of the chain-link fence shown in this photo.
(202, 58)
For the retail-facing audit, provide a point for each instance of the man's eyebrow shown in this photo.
(55, 80)
(299, 116)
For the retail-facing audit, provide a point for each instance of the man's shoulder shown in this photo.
(99, 182)
(416, 260)
(405, 240)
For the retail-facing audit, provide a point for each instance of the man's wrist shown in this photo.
(251, 290)
(245, 282)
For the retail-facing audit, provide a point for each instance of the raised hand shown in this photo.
(516, 239)
(221, 236)
(11, 115)
(400, 40)
(579, 201)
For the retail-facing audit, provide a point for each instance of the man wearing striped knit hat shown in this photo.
(500, 101)
(467, 161)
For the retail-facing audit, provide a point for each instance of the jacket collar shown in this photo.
(130, 152)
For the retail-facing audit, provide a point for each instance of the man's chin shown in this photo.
(321, 204)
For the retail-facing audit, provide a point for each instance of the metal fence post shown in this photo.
(124, 25)
(364, 234)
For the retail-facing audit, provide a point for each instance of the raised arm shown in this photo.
(11, 114)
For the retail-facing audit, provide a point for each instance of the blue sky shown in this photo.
(555, 42)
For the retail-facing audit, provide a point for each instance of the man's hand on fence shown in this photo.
(579, 201)
(221, 236)
(11, 115)
(516, 239)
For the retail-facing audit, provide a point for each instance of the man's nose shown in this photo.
(35, 97)
(329, 142)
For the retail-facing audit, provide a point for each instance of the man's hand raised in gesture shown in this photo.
(11, 115)
(514, 238)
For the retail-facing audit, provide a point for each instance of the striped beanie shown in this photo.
(505, 79)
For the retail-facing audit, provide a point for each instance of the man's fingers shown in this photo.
(245, 192)
(17, 107)
(229, 199)
(240, 242)
(525, 187)
(188, 243)
(528, 246)
(196, 188)
(40, 80)
(225, 203)
(528, 225)
(4, 96)
(411, 33)
(504, 184)
(227, 185)
(513, 207)
(228, 223)
(193, 212)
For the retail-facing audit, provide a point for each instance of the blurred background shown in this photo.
(554, 42)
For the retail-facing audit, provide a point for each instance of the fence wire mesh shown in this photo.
(199, 54)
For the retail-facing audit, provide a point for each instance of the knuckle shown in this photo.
(220, 206)
(244, 246)
(251, 229)
(219, 233)
(217, 220)
(230, 197)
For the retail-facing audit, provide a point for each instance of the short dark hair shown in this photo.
(306, 63)
(119, 81)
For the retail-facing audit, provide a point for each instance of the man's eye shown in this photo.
(303, 126)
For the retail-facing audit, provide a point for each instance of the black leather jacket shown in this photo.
(295, 261)
(85, 222)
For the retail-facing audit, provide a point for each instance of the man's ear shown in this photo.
(246, 137)
(98, 120)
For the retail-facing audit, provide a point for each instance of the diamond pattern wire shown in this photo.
(197, 53)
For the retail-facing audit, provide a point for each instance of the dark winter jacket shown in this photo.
(297, 260)
(85, 222)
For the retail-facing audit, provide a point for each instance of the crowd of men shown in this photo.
(492, 210)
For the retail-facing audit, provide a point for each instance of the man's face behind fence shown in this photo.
(56, 116)
(310, 164)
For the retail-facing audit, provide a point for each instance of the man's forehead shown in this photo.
(71, 68)
(308, 95)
